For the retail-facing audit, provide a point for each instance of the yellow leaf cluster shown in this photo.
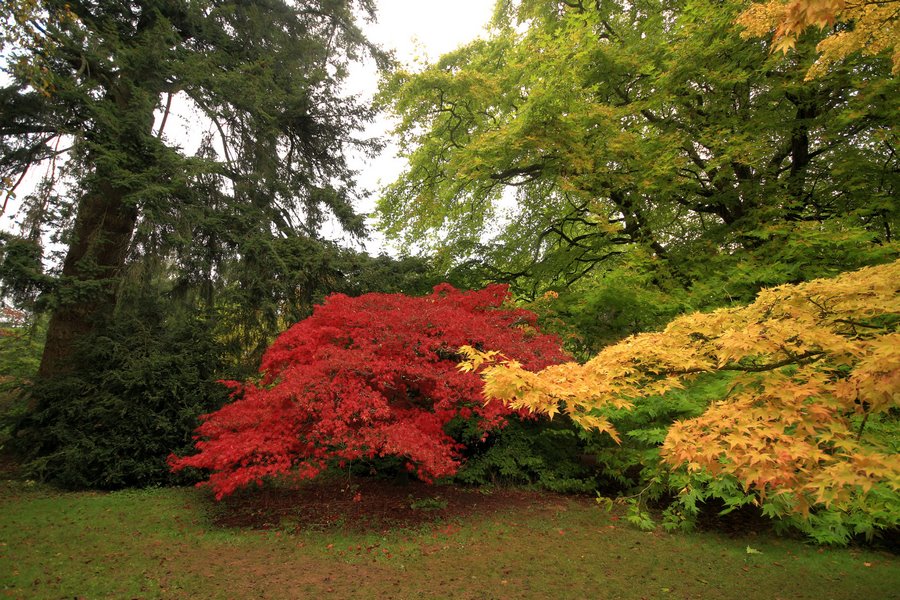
(875, 27)
(814, 361)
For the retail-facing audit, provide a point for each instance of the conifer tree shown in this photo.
(95, 81)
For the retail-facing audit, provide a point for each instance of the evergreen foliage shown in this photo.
(138, 384)
(91, 86)
(551, 455)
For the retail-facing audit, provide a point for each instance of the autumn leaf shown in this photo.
(875, 29)
(375, 375)
(785, 427)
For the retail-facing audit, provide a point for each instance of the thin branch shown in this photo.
(213, 117)
(797, 359)
(11, 192)
(862, 427)
(165, 118)
(858, 324)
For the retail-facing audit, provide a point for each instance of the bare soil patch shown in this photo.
(372, 504)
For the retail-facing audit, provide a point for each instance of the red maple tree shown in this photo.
(369, 376)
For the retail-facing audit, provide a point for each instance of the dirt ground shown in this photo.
(371, 504)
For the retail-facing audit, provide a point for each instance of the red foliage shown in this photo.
(363, 377)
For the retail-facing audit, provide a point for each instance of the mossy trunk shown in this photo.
(105, 221)
(100, 242)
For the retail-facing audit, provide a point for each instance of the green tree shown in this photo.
(133, 393)
(581, 131)
(89, 79)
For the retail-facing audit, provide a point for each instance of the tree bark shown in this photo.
(103, 229)
(104, 223)
(807, 110)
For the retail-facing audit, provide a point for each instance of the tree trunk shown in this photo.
(119, 149)
(807, 110)
(103, 230)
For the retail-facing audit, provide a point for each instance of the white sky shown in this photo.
(416, 30)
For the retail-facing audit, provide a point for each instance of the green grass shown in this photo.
(161, 544)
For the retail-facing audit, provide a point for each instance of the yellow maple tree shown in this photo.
(868, 26)
(813, 362)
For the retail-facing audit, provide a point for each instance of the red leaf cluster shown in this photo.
(363, 377)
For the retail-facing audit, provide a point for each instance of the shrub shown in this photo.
(367, 377)
(547, 454)
(133, 396)
(814, 364)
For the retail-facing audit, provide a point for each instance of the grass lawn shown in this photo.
(170, 543)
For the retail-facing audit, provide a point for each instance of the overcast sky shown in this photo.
(415, 30)
(437, 25)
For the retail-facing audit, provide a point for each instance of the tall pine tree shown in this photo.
(91, 78)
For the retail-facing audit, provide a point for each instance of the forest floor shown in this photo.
(382, 539)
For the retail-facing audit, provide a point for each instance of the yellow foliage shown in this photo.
(875, 27)
(814, 361)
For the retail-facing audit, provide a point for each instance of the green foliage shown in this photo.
(138, 386)
(577, 133)
(639, 517)
(21, 343)
(21, 272)
(633, 467)
(549, 455)
(689, 494)
(409, 275)
(686, 497)
(85, 84)
(783, 253)
(637, 292)
(631, 296)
